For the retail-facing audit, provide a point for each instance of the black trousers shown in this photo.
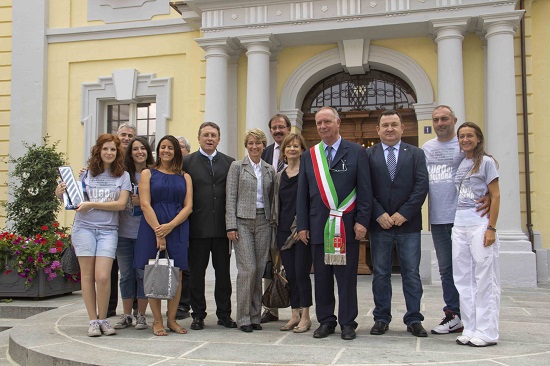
(185, 298)
(199, 257)
(113, 298)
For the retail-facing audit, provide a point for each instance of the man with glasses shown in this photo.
(279, 127)
(333, 211)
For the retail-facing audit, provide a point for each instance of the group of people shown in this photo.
(306, 206)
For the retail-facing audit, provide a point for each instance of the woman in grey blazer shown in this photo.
(249, 192)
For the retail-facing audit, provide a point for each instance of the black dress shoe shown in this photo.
(379, 328)
(268, 317)
(348, 332)
(417, 330)
(246, 328)
(197, 324)
(227, 322)
(323, 331)
(182, 314)
(256, 326)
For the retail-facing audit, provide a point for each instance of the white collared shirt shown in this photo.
(276, 155)
(208, 156)
(259, 192)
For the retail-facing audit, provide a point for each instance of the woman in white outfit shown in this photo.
(475, 243)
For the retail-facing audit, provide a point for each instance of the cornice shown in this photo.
(120, 30)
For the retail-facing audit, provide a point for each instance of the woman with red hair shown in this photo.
(95, 227)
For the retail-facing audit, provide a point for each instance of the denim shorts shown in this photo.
(94, 242)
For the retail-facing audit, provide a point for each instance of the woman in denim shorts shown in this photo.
(138, 156)
(95, 228)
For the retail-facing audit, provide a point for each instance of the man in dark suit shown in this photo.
(400, 184)
(208, 169)
(344, 167)
(279, 127)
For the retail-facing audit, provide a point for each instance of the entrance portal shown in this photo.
(359, 100)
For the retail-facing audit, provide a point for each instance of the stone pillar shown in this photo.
(449, 34)
(518, 262)
(258, 89)
(216, 107)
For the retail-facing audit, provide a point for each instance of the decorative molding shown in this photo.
(113, 31)
(109, 88)
(116, 11)
(255, 15)
(348, 7)
(354, 54)
(212, 19)
(397, 5)
(301, 10)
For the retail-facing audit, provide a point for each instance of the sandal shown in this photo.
(178, 329)
(159, 332)
(290, 325)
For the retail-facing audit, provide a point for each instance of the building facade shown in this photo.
(75, 69)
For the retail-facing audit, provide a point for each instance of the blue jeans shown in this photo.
(441, 235)
(408, 250)
(125, 257)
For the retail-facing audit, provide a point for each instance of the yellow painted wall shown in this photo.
(538, 86)
(5, 93)
(72, 64)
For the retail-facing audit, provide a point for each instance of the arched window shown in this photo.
(374, 90)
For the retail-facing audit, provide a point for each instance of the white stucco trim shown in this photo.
(120, 30)
(111, 11)
(96, 95)
(329, 62)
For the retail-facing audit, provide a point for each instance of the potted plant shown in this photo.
(31, 248)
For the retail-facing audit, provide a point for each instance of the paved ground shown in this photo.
(58, 337)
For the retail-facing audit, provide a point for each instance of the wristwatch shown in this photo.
(491, 228)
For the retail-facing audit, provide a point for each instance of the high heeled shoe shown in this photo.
(298, 329)
(289, 326)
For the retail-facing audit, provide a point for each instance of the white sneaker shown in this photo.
(477, 342)
(94, 330)
(125, 321)
(463, 340)
(106, 328)
(451, 323)
(141, 322)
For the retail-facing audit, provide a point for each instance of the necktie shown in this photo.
(329, 155)
(392, 162)
(280, 163)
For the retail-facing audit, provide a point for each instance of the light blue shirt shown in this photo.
(334, 146)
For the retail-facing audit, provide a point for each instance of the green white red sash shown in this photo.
(335, 232)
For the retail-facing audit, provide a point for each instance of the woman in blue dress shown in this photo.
(166, 194)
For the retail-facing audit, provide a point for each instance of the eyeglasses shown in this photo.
(340, 167)
(275, 128)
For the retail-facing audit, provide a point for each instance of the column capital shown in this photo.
(220, 47)
(453, 28)
(260, 43)
(504, 23)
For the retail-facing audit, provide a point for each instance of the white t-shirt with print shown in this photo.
(470, 188)
(102, 188)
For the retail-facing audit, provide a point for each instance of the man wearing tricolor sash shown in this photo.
(333, 211)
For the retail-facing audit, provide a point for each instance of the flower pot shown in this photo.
(12, 285)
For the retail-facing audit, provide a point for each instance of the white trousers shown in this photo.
(476, 275)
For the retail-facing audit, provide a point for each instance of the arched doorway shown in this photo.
(359, 100)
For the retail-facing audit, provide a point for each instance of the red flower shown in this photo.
(44, 227)
(38, 236)
(55, 224)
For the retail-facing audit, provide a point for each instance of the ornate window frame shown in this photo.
(126, 85)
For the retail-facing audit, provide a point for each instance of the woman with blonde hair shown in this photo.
(296, 255)
(476, 270)
(249, 192)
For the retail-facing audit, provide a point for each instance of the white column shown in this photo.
(258, 86)
(518, 263)
(215, 109)
(449, 34)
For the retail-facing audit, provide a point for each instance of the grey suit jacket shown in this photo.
(241, 192)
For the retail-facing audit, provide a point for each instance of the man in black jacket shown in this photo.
(208, 169)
